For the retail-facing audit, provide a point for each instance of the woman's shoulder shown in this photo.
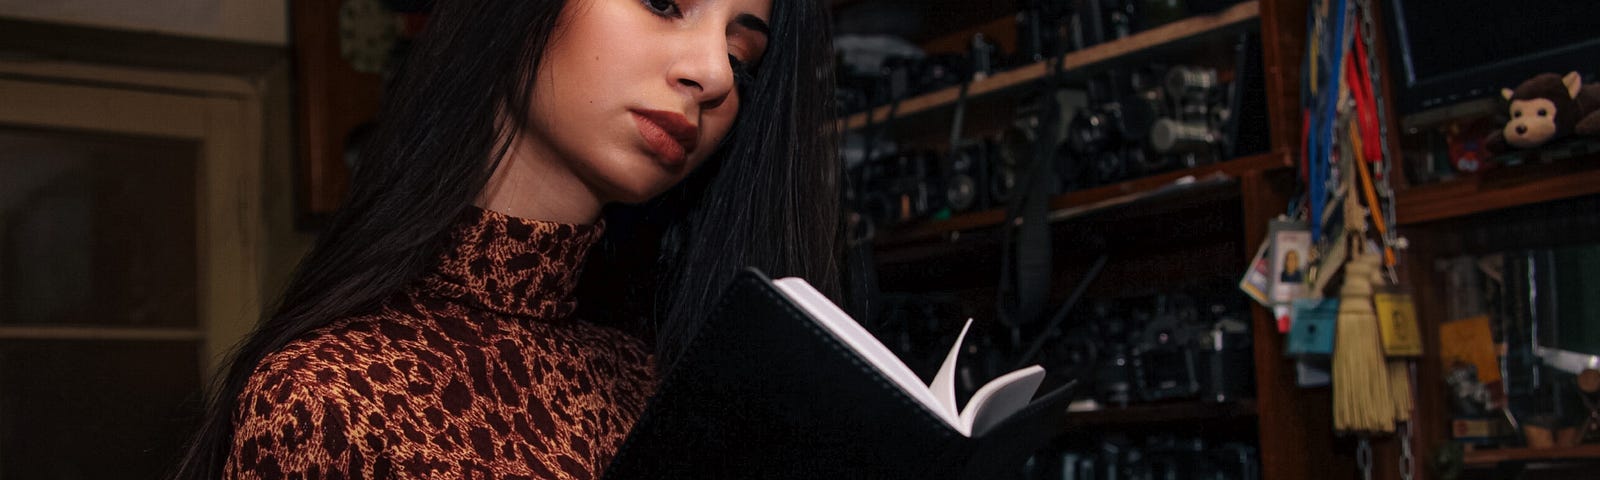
(348, 358)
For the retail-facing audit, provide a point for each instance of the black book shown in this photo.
(781, 383)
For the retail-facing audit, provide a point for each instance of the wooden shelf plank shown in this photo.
(1488, 458)
(1103, 193)
(1160, 413)
(1498, 189)
(1149, 39)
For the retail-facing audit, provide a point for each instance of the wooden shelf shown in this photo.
(1220, 22)
(1160, 413)
(1489, 458)
(1498, 189)
(1104, 195)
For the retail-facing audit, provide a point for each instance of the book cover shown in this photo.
(780, 383)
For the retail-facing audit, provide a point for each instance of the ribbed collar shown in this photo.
(513, 266)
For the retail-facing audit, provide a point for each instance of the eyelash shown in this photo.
(671, 9)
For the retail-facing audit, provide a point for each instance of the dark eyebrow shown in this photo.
(753, 23)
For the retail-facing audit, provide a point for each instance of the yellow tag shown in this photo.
(1397, 316)
(1469, 341)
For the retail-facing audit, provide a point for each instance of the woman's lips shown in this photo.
(669, 135)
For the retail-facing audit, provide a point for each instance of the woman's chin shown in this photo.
(638, 194)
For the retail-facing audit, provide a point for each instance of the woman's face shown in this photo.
(632, 95)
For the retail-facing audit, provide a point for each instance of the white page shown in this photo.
(859, 339)
(944, 382)
(1000, 398)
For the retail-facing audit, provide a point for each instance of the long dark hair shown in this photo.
(767, 199)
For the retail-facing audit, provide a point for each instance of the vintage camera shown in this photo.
(967, 177)
(1170, 119)
(1226, 365)
(1101, 135)
(1113, 376)
(1043, 29)
(1165, 360)
(1164, 456)
(898, 188)
(1098, 21)
(1193, 129)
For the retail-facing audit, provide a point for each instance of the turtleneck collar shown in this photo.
(513, 266)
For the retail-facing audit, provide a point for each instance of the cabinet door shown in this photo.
(127, 220)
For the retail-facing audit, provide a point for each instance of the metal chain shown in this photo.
(1364, 457)
(1408, 463)
(1391, 238)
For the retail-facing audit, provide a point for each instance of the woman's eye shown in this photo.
(1542, 112)
(1516, 114)
(666, 8)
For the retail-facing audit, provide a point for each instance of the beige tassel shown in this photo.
(1361, 398)
(1400, 389)
(1399, 372)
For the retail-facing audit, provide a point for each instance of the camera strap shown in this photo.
(1030, 249)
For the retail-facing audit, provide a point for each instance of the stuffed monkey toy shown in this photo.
(1545, 108)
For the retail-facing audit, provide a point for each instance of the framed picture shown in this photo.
(333, 100)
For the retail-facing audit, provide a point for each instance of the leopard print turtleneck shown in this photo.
(476, 371)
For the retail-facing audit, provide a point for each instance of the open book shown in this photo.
(993, 402)
(778, 382)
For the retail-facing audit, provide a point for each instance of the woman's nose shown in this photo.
(702, 69)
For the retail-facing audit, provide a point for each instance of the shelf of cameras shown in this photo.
(915, 211)
(1172, 456)
(912, 91)
(1123, 134)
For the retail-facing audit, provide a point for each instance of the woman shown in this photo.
(432, 330)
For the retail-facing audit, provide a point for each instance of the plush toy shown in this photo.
(1545, 108)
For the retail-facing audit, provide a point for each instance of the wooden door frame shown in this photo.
(223, 115)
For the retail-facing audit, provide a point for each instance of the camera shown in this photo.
(1165, 456)
(1191, 344)
(1171, 118)
(873, 72)
(968, 180)
(899, 187)
(1164, 362)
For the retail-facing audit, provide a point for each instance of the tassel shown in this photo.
(1361, 398)
(1399, 373)
(1400, 389)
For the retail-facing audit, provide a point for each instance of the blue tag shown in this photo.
(1313, 329)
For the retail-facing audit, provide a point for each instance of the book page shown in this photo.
(868, 347)
(944, 382)
(1000, 398)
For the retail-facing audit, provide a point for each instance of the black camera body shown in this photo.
(1164, 456)
(968, 180)
(1170, 118)
(1161, 348)
(899, 187)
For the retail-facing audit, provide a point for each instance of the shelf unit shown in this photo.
(1489, 458)
(1291, 426)
(1089, 199)
(1226, 21)
(1498, 189)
